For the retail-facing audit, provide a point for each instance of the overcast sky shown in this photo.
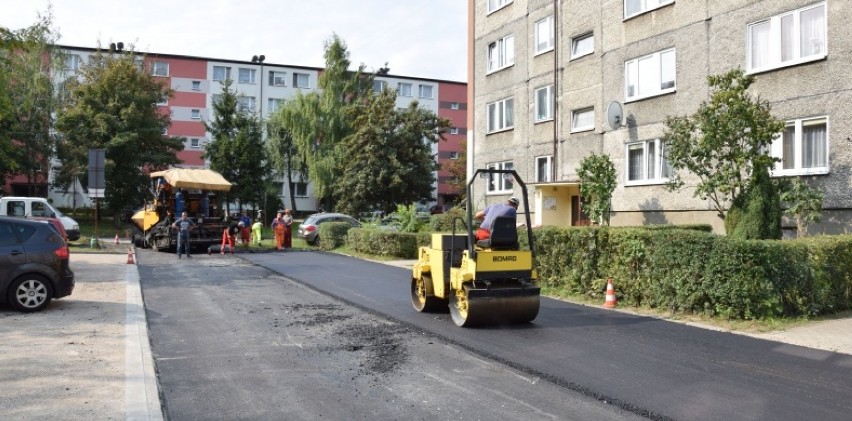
(420, 38)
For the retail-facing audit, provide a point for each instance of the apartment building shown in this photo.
(262, 88)
(545, 72)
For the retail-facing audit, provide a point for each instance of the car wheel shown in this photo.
(30, 293)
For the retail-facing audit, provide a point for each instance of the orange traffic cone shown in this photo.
(610, 295)
(116, 238)
(130, 260)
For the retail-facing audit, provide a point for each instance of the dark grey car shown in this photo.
(33, 264)
(309, 229)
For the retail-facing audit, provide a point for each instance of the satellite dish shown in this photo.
(614, 115)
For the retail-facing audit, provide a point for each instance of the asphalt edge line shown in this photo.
(141, 393)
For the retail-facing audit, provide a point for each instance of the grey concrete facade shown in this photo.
(706, 37)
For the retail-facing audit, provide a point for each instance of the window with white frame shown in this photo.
(582, 45)
(454, 155)
(247, 75)
(647, 163)
(274, 104)
(196, 114)
(650, 75)
(544, 35)
(500, 183)
(542, 168)
(495, 5)
(454, 105)
(454, 130)
(802, 147)
(277, 78)
(221, 73)
(300, 80)
(403, 89)
(215, 98)
(500, 115)
(425, 91)
(160, 68)
(72, 62)
(637, 7)
(300, 189)
(163, 101)
(790, 38)
(583, 119)
(544, 103)
(247, 103)
(194, 143)
(379, 86)
(196, 85)
(501, 53)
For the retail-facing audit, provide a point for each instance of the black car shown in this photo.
(33, 264)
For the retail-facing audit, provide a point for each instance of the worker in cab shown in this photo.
(492, 212)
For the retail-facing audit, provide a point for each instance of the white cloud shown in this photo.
(420, 38)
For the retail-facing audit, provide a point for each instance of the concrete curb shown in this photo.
(141, 391)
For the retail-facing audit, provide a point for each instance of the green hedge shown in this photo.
(380, 242)
(695, 271)
(333, 234)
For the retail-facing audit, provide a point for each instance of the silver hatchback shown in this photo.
(309, 228)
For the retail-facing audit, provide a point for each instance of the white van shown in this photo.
(38, 206)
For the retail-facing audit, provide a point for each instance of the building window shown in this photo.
(495, 5)
(163, 101)
(247, 103)
(501, 115)
(404, 89)
(454, 155)
(500, 183)
(196, 85)
(650, 75)
(582, 45)
(221, 73)
(647, 163)
(803, 147)
(788, 39)
(454, 105)
(247, 75)
(454, 130)
(501, 54)
(544, 35)
(72, 62)
(194, 143)
(425, 91)
(544, 103)
(274, 105)
(300, 189)
(637, 7)
(160, 69)
(196, 114)
(379, 86)
(583, 120)
(277, 78)
(300, 80)
(542, 168)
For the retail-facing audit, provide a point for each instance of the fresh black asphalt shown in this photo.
(655, 368)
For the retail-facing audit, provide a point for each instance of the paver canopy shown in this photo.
(188, 178)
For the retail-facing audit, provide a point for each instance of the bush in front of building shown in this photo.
(698, 272)
(379, 242)
(333, 234)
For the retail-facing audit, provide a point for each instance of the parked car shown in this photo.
(34, 266)
(309, 229)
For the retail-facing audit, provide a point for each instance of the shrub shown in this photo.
(333, 234)
(379, 242)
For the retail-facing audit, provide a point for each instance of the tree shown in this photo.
(319, 121)
(283, 156)
(113, 106)
(597, 182)
(725, 142)
(28, 100)
(237, 150)
(804, 204)
(756, 213)
(389, 158)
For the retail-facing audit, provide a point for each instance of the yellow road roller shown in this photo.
(486, 282)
